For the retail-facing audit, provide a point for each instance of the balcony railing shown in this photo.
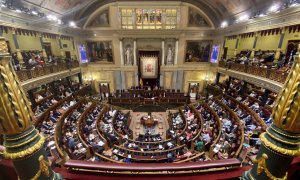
(273, 74)
(45, 70)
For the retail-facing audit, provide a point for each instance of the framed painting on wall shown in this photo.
(100, 51)
(198, 51)
(196, 19)
(215, 53)
(82, 54)
(101, 20)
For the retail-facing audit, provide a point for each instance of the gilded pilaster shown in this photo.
(23, 143)
(281, 141)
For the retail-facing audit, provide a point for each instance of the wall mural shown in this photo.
(198, 51)
(100, 51)
(59, 5)
(196, 19)
(101, 19)
(236, 6)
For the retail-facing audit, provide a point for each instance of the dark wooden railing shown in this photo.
(273, 74)
(45, 70)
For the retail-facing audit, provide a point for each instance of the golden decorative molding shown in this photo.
(26, 152)
(281, 140)
(15, 114)
(284, 134)
(262, 167)
(285, 113)
(3, 46)
(23, 143)
(44, 168)
(21, 137)
(288, 152)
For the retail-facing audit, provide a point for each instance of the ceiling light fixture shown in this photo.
(294, 4)
(52, 17)
(274, 8)
(261, 15)
(72, 24)
(34, 12)
(244, 17)
(224, 24)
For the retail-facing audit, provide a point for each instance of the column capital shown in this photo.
(282, 30)
(13, 30)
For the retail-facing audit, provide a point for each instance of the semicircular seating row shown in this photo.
(89, 130)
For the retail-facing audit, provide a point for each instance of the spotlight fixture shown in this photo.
(261, 15)
(52, 17)
(244, 17)
(294, 4)
(34, 12)
(224, 24)
(274, 8)
(72, 24)
(18, 11)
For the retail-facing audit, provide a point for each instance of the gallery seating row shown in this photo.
(24, 75)
(273, 74)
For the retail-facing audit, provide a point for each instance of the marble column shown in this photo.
(19, 55)
(44, 54)
(253, 47)
(134, 52)
(62, 52)
(161, 79)
(176, 52)
(137, 82)
(121, 52)
(236, 46)
(163, 52)
(277, 54)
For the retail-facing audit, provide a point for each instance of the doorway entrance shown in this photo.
(291, 51)
(68, 54)
(104, 90)
(193, 90)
